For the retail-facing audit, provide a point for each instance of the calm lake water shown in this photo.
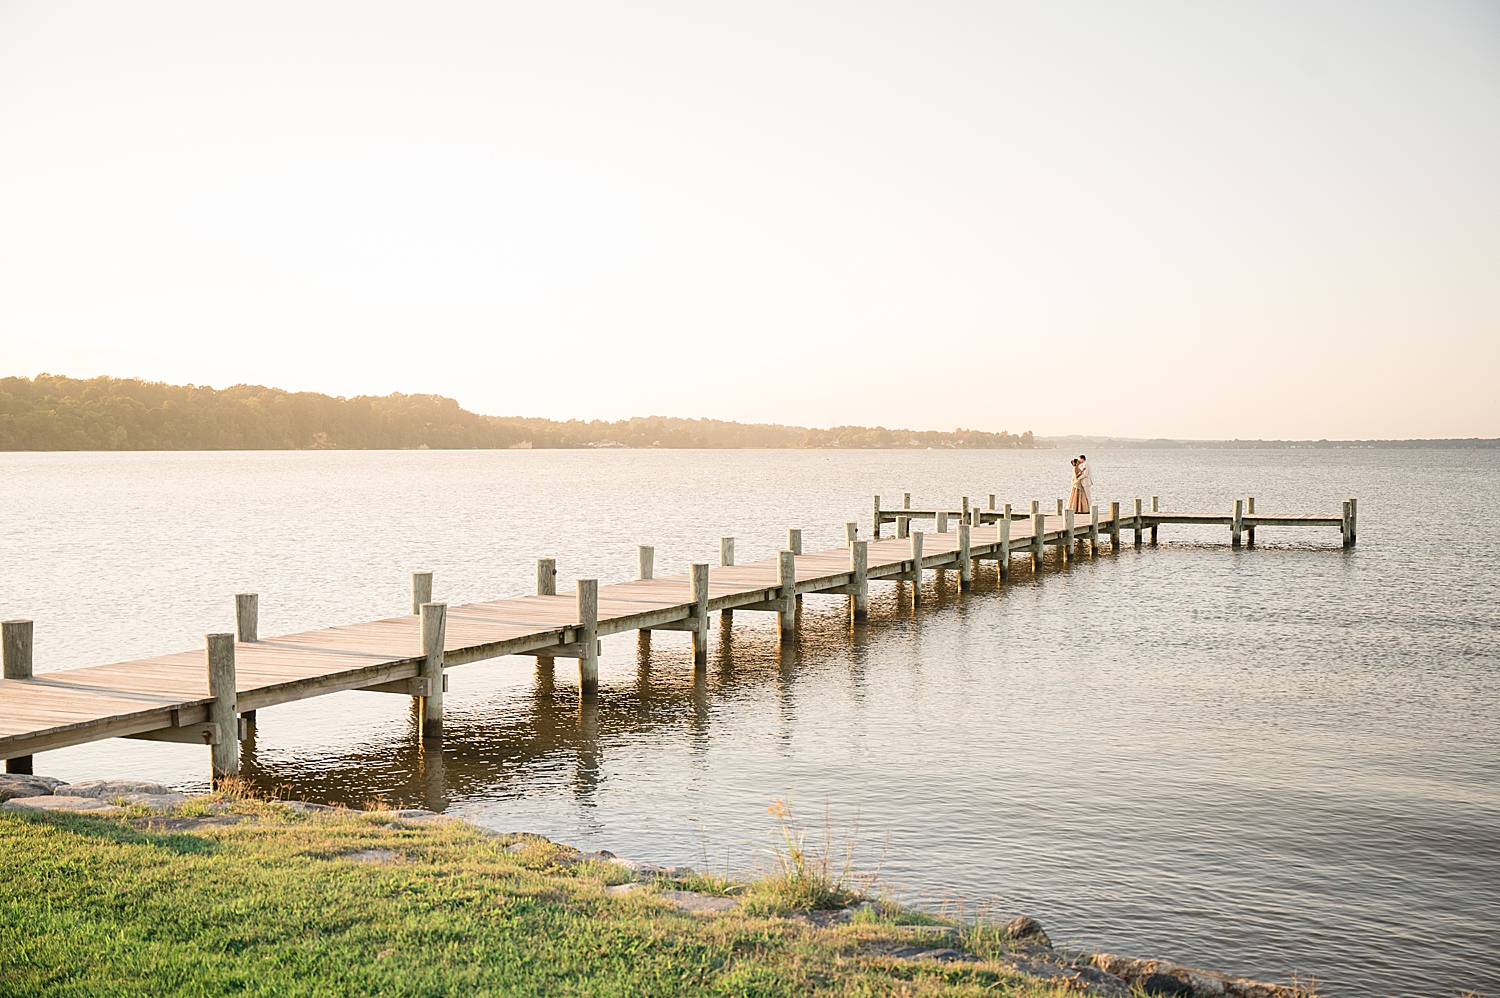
(1272, 761)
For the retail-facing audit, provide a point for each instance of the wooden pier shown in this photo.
(206, 697)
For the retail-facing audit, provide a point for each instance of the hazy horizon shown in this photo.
(1277, 221)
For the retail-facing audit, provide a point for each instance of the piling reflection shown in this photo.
(490, 749)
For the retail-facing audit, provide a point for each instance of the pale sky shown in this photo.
(1136, 219)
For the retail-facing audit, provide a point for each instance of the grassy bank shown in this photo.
(231, 896)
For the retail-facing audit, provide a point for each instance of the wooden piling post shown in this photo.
(1038, 531)
(434, 631)
(645, 557)
(1353, 522)
(794, 541)
(588, 638)
(1036, 506)
(223, 711)
(1060, 505)
(1067, 539)
(1236, 522)
(15, 651)
(1139, 520)
(942, 522)
(246, 617)
(546, 585)
(965, 560)
(875, 526)
(992, 500)
(851, 533)
(1005, 544)
(1114, 527)
(786, 580)
(903, 527)
(859, 566)
(1250, 529)
(1344, 526)
(726, 552)
(421, 590)
(1093, 529)
(1155, 508)
(964, 505)
(700, 613)
(906, 500)
(916, 566)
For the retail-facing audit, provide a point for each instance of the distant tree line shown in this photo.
(51, 412)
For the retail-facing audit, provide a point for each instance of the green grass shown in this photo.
(101, 906)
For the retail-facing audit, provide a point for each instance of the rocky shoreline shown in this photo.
(1029, 951)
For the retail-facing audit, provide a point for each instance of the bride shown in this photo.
(1078, 498)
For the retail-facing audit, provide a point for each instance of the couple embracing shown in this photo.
(1083, 486)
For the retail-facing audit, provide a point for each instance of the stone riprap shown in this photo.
(13, 785)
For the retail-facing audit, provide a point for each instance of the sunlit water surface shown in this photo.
(1271, 761)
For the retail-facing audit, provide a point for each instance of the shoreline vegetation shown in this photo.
(128, 888)
(54, 413)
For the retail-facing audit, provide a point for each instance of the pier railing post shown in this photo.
(588, 638)
(1155, 508)
(421, 590)
(1114, 527)
(964, 505)
(726, 552)
(546, 585)
(1139, 521)
(903, 527)
(1250, 528)
(906, 500)
(875, 526)
(1093, 529)
(916, 567)
(700, 613)
(965, 561)
(859, 565)
(786, 581)
(1060, 507)
(1236, 523)
(645, 556)
(15, 651)
(942, 522)
(246, 617)
(794, 541)
(1005, 544)
(434, 631)
(1038, 533)
(1036, 506)
(224, 755)
(851, 534)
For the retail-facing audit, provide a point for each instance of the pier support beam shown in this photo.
(859, 567)
(434, 631)
(1155, 508)
(965, 560)
(1250, 530)
(1038, 534)
(1139, 521)
(1114, 527)
(786, 579)
(1353, 522)
(1004, 536)
(546, 585)
(1068, 537)
(222, 712)
(903, 527)
(1236, 523)
(15, 651)
(916, 567)
(588, 638)
(699, 574)
(421, 590)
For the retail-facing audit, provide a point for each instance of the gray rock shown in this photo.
(1165, 984)
(304, 807)
(156, 802)
(14, 785)
(702, 904)
(93, 805)
(1023, 927)
(1089, 979)
(109, 789)
(620, 890)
